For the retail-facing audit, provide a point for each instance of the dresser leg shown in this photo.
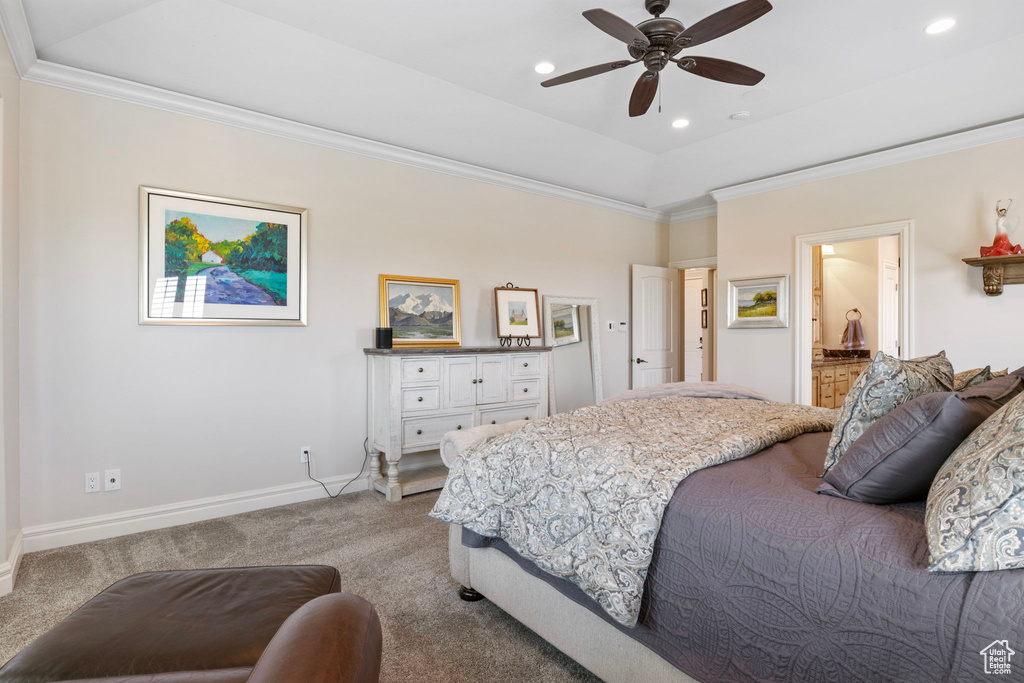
(469, 595)
(374, 456)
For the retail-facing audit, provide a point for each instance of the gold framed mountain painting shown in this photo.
(421, 311)
(208, 260)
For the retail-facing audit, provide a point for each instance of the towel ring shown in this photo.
(854, 310)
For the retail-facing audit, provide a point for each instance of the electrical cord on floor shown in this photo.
(347, 483)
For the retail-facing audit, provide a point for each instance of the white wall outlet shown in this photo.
(304, 454)
(92, 482)
(111, 480)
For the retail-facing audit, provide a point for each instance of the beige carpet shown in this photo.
(391, 554)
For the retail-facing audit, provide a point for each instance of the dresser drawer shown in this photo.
(843, 373)
(500, 416)
(421, 398)
(421, 370)
(525, 390)
(828, 375)
(525, 364)
(427, 431)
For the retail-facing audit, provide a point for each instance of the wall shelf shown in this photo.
(998, 271)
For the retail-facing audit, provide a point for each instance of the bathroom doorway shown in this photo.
(852, 296)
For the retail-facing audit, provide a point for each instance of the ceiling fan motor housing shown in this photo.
(661, 32)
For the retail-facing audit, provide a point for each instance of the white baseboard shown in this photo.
(9, 569)
(85, 529)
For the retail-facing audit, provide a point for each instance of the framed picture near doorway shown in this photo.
(759, 302)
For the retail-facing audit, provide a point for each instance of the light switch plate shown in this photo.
(111, 480)
(622, 327)
(611, 326)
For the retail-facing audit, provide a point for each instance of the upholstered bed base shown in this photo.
(579, 633)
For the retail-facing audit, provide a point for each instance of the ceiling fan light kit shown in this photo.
(657, 42)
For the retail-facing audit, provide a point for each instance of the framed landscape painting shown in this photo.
(565, 322)
(759, 302)
(421, 311)
(208, 260)
(517, 312)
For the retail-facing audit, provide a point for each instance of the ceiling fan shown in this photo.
(658, 41)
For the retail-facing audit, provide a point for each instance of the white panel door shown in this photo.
(655, 341)
(460, 382)
(693, 340)
(889, 312)
(492, 373)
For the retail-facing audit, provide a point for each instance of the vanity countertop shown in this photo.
(831, 362)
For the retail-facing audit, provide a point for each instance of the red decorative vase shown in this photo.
(1002, 247)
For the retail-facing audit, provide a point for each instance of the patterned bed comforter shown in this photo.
(582, 494)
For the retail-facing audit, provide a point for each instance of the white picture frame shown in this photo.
(758, 302)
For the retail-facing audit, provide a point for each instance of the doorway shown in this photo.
(871, 283)
(698, 325)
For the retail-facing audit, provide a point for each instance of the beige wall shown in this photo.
(693, 239)
(950, 197)
(10, 494)
(191, 412)
(850, 280)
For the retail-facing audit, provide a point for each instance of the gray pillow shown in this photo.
(975, 514)
(887, 383)
(897, 457)
(972, 378)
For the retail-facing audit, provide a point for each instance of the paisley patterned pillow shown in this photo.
(975, 514)
(889, 382)
(972, 378)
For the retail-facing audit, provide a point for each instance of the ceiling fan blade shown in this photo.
(721, 70)
(723, 22)
(616, 27)
(586, 73)
(643, 93)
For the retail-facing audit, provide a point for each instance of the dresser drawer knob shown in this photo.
(481, 380)
(420, 399)
(526, 365)
(527, 417)
(421, 369)
(459, 427)
(419, 431)
(474, 381)
(526, 391)
(494, 422)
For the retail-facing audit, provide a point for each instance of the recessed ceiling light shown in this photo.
(544, 68)
(940, 26)
(680, 123)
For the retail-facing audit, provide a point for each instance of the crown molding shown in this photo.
(693, 214)
(19, 39)
(58, 75)
(687, 264)
(975, 137)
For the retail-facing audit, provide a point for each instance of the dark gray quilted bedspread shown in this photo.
(757, 578)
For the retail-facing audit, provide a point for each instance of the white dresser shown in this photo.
(417, 395)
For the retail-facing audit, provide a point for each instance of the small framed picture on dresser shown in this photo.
(517, 311)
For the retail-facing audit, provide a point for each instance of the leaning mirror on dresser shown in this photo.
(571, 329)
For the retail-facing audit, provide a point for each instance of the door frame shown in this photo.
(802, 353)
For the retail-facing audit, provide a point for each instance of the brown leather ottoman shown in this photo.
(256, 624)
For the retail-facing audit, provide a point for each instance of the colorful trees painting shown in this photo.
(253, 264)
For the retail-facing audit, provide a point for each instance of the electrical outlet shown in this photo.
(611, 326)
(304, 455)
(92, 482)
(111, 480)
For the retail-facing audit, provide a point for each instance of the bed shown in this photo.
(754, 577)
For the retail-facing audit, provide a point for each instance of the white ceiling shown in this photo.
(455, 78)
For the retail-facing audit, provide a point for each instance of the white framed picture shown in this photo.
(759, 302)
(517, 312)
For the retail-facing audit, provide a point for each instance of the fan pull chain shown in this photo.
(659, 95)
